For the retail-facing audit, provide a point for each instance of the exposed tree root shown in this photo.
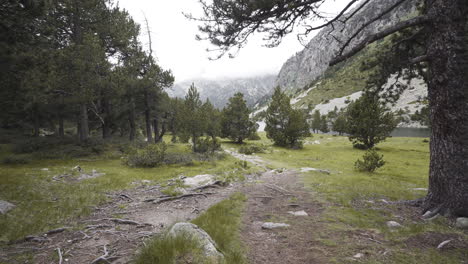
(180, 197)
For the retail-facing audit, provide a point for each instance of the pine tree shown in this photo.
(236, 124)
(368, 121)
(316, 123)
(284, 125)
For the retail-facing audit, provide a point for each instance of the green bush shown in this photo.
(207, 145)
(179, 158)
(254, 136)
(150, 156)
(15, 159)
(251, 149)
(371, 161)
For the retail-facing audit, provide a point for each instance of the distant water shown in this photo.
(398, 132)
(411, 132)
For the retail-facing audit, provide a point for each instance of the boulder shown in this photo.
(207, 243)
(270, 225)
(393, 224)
(199, 180)
(298, 213)
(5, 207)
(462, 222)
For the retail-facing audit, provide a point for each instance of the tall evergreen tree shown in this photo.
(236, 123)
(284, 125)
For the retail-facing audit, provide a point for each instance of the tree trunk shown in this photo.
(36, 121)
(107, 118)
(149, 133)
(61, 130)
(131, 120)
(156, 130)
(84, 126)
(448, 100)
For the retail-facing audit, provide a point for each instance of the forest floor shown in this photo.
(347, 211)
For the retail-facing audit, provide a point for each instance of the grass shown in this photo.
(43, 204)
(222, 222)
(352, 199)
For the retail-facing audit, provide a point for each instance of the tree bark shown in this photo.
(131, 120)
(156, 130)
(448, 100)
(84, 126)
(35, 113)
(107, 118)
(149, 133)
(61, 130)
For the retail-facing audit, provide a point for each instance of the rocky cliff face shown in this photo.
(308, 64)
(220, 90)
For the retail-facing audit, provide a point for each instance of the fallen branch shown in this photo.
(59, 255)
(56, 231)
(102, 258)
(180, 197)
(126, 196)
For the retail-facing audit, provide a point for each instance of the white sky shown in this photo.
(175, 47)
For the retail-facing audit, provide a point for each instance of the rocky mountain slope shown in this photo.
(310, 63)
(219, 91)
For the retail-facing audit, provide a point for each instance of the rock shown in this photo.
(145, 181)
(270, 225)
(5, 207)
(199, 180)
(44, 169)
(462, 222)
(393, 224)
(298, 213)
(358, 255)
(307, 169)
(207, 243)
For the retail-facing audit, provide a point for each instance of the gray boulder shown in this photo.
(393, 224)
(462, 222)
(207, 243)
(5, 207)
(270, 225)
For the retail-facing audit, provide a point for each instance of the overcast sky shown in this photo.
(175, 46)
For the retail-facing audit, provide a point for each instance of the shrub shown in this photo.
(251, 149)
(371, 161)
(254, 136)
(207, 145)
(150, 156)
(179, 158)
(15, 159)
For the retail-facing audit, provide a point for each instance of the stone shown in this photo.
(195, 232)
(298, 213)
(358, 255)
(199, 180)
(462, 222)
(5, 207)
(419, 189)
(271, 225)
(45, 169)
(307, 169)
(393, 224)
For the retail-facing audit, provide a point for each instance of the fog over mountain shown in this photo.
(218, 91)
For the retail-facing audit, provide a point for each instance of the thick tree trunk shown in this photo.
(447, 92)
(61, 130)
(131, 120)
(36, 121)
(84, 126)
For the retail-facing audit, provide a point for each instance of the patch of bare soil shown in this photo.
(270, 200)
(434, 239)
(115, 231)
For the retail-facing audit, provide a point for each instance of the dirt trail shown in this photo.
(122, 225)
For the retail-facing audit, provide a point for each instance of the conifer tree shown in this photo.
(236, 124)
(285, 125)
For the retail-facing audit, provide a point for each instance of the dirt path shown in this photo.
(122, 225)
(271, 200)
